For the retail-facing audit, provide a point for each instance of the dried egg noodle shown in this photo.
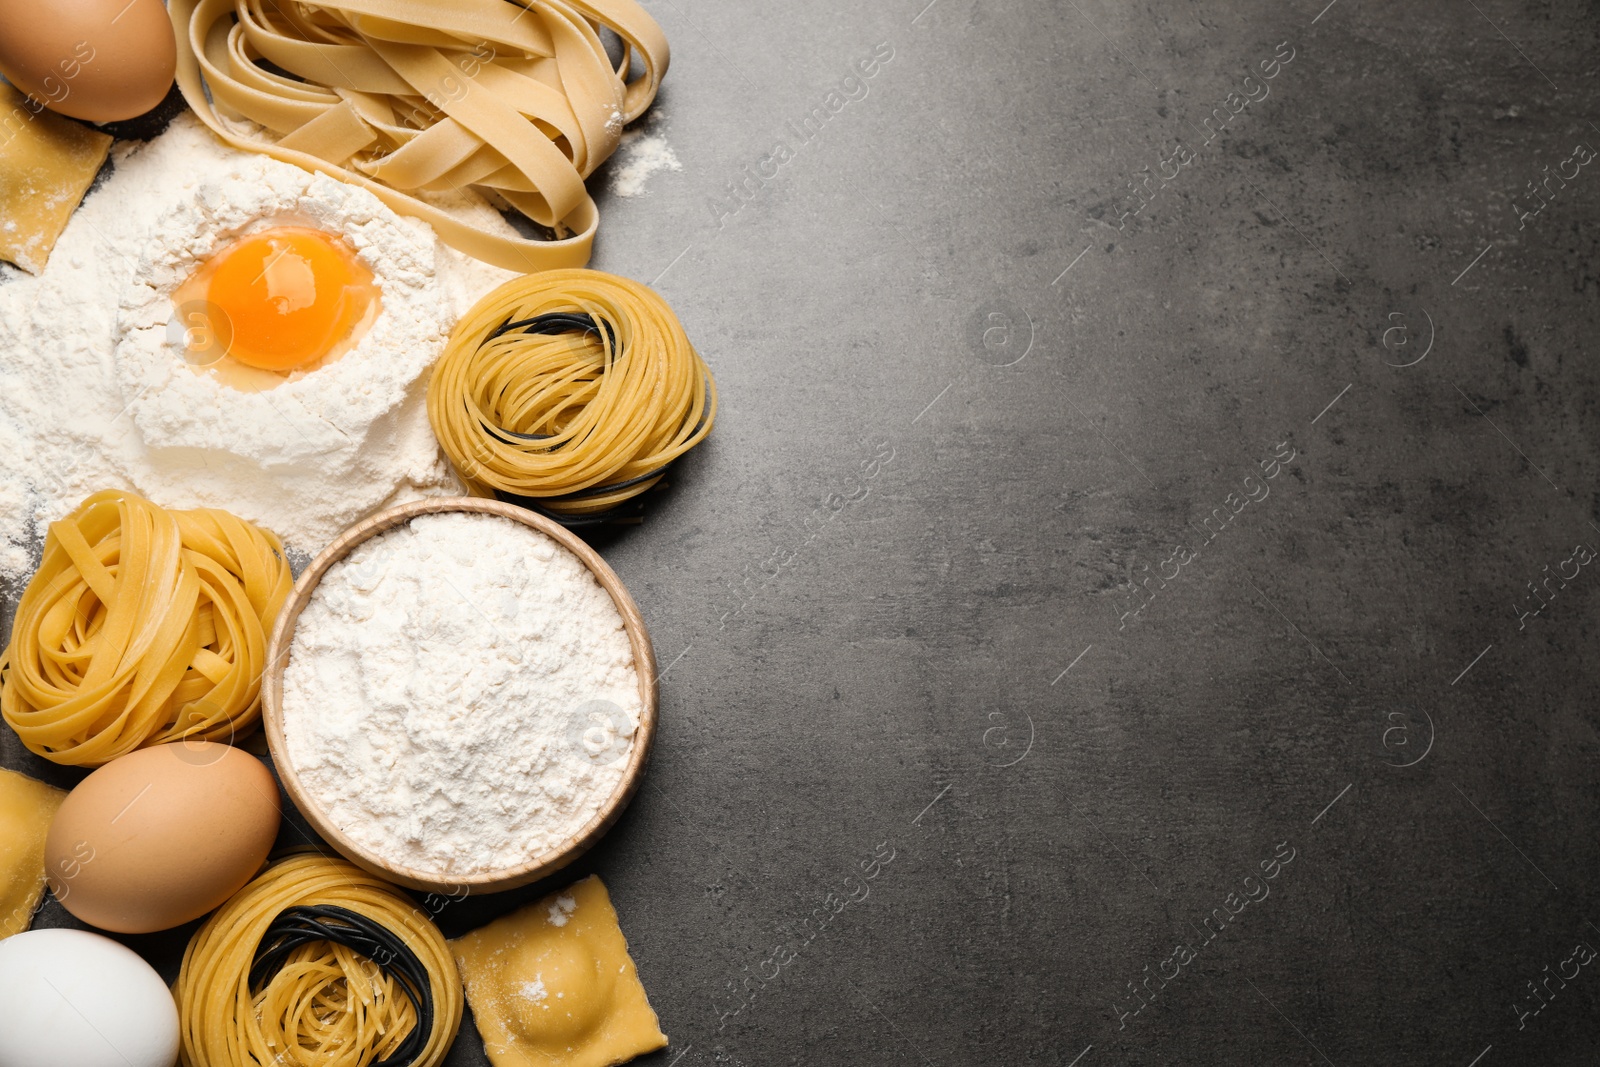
(411, 96)
(141, 626)
(327, 1005)
(582, 422)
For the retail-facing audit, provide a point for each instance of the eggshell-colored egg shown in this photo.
(70, 998)
(99, 60)
(161, 836)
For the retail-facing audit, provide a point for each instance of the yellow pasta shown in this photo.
(410, 97)
(141, 626)
(323, 1005)
(581, 420)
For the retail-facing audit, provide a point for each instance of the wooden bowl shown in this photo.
(536, 866)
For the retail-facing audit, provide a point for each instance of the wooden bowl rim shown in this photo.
(282, 644)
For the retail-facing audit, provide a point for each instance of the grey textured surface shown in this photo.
(974, 403)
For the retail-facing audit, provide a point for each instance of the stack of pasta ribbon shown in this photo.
(407, 97)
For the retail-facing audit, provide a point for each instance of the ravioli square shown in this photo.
(47, 163)
(27, 808)
(552, 984)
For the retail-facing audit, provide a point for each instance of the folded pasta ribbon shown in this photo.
(516, 98)
(141, 626)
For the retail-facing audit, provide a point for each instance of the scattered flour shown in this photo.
(563, 906)
(460, 696)
(88, 401)
(641, 155)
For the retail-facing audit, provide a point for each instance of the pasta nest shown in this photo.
(324, 1005)
(578, 421)
(141, 626)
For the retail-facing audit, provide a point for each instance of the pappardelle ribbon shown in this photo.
(514, 98)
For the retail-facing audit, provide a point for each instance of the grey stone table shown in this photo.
(1136, 604)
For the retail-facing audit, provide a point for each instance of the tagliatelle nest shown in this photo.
(141, 626)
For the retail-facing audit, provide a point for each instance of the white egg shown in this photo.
(76, 999)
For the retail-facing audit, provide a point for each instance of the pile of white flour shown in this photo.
(461, 695)
(79, 414)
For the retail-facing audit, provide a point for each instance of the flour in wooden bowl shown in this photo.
(461, 695)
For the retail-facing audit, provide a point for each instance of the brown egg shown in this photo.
(100, 60)
(161, 836)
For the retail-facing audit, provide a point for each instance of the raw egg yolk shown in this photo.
(289, 296)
